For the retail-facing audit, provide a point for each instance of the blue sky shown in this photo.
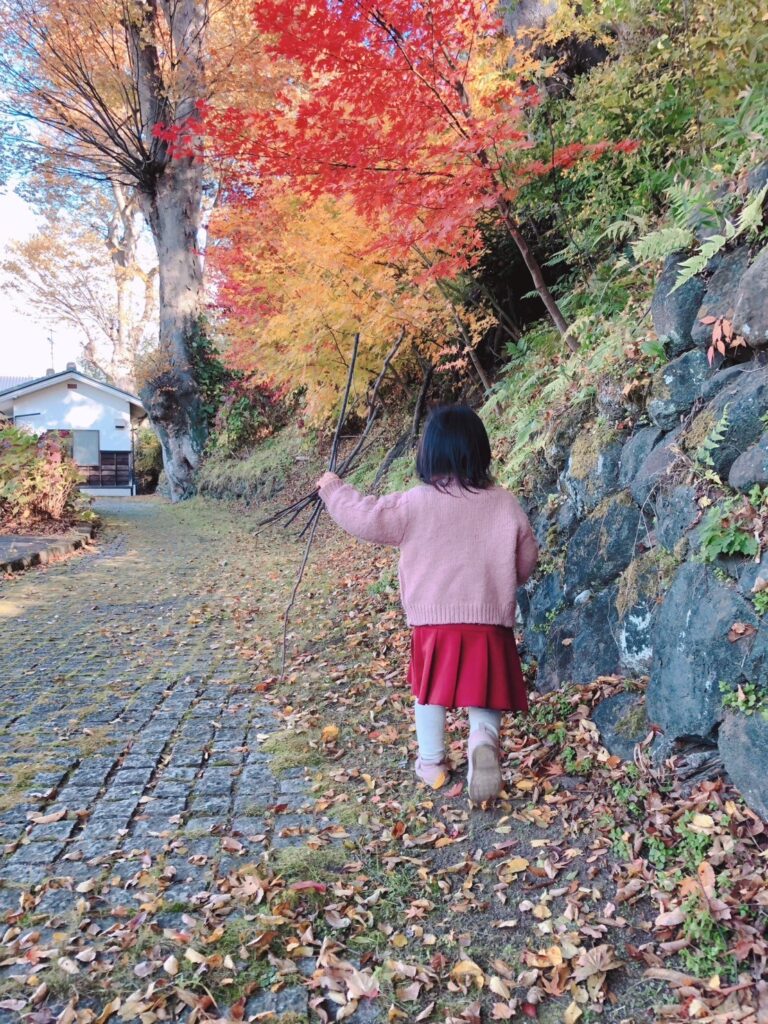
(24, 346)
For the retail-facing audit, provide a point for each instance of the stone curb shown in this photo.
(49, 549)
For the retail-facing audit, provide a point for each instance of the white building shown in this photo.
(101, 421)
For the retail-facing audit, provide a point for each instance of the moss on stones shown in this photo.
(645, 579)
(698, 432)
(293, 749)
(297, 863)
(585, 453)
(633, 722)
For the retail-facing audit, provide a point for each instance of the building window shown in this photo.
(85, 447)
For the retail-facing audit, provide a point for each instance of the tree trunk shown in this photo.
(510, 223)
(170, 393)
(123, 243)
(535, 271)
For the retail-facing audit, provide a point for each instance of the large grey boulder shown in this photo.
(756, 665)
(592, 472)
(721, 294)
(692, 653)
(556, 658)
(676, 513)
(544, 605)
(676, 387)
(603, 546)
(738, 410)
(674, 312)
(721, 379)
(622, 723)
(751, 467)
(595, 650)
(638, 602)
(580, 644)
(747, 572)
(757, 177)
(750, 318)
(743, 744)
(636, 451)
(654, 469)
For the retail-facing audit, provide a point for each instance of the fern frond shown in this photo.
(691, 206)
(751, 216)
(713, 440)
(659, 244)
(691, 267)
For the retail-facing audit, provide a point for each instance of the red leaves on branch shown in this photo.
(410, 109)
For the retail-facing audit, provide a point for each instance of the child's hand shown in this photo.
(326, 478)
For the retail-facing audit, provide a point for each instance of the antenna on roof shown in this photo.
(50, 342)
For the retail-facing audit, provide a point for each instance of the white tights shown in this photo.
(430, 728)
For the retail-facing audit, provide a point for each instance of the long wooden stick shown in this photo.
(343, 413)
(314, 521)
(315, 518)
(297, 507)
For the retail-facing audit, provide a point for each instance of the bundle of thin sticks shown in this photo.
(291, 512)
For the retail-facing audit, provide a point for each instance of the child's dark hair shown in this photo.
(454, 445)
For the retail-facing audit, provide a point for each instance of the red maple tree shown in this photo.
(406, 106)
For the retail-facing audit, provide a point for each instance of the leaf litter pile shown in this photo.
(595, 890)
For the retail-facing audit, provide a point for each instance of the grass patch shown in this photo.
(258, 474)
(293, 749)
(94, 741)
(299, 863)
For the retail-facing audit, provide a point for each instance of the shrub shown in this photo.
(149, 460)
(39, 482)
(248, 413)
(681, 79)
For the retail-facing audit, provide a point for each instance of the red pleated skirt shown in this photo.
(467, 666)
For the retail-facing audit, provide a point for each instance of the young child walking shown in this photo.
(465, 547)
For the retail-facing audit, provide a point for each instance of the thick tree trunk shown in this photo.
(123, 243)
(170, 393)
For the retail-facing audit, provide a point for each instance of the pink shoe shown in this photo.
(434, 775)
(484, 773)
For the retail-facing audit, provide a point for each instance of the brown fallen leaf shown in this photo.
(171, 966)
(46, 819)
(597, 960)
(330, 733)
(468, 969)
(741, 630)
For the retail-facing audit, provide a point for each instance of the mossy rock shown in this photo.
(593, 467)
(676, 387)
(604, 545)
(732, 422)
(587, 448)
(622, 723)
(645, 580)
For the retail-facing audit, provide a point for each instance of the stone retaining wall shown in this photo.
(625, 589)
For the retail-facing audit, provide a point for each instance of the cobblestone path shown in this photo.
(129, 723)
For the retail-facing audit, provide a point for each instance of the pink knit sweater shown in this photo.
(463, 554)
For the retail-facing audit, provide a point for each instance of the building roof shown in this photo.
(26, 386)
(6, 383)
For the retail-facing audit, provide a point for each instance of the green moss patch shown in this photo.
(587, 447)
(291, 749)
(299, 863)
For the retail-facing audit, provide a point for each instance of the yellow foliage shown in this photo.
(299, 282)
